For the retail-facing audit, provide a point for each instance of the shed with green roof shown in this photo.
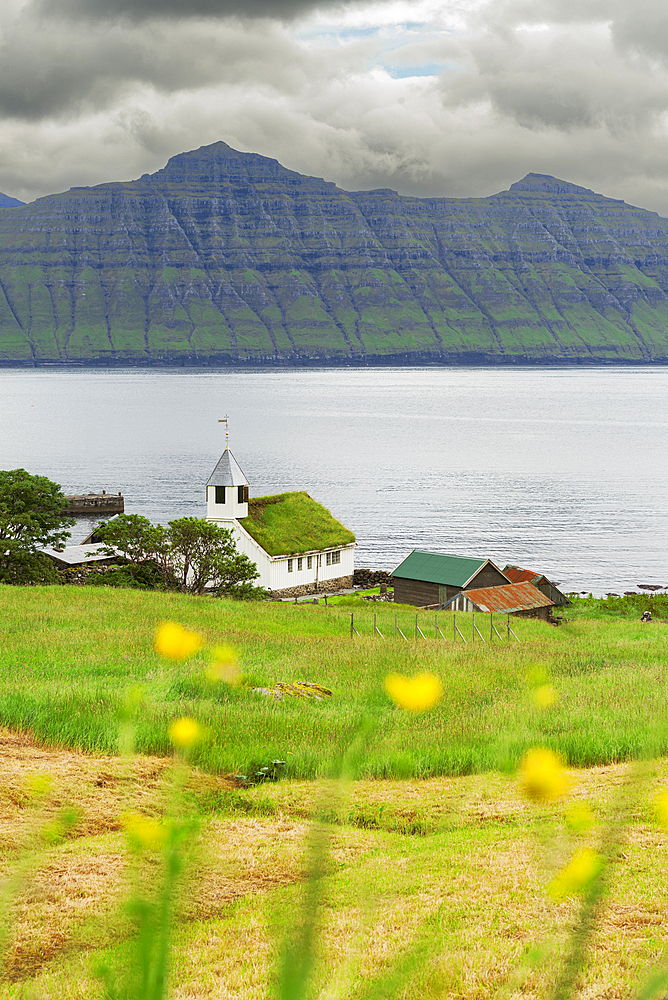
(428, 578)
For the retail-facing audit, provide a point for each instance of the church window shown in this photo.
(299, 564)
(242, 494)
(336, 558)
(309, 562)
(220, 494)
(290, 561)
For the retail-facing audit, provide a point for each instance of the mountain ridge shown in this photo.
(6, 201)
(230, 257)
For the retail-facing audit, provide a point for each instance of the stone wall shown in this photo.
(324, 587)
(366, 578)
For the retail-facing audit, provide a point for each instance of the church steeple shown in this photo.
(227, 488)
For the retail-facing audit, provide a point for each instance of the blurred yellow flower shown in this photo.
(578, 874)
(537, 673)
(144, 834)
(175, 642)
(39, 785)
(579, 817)
(544, 696)
(542, 776)
(224, 666)
(661, 808)
(184, 733)
(415, 694)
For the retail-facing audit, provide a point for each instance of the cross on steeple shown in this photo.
(225, 420)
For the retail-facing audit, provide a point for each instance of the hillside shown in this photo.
(228, 257)
(8, 202)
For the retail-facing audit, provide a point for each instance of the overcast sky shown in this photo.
(458, 98)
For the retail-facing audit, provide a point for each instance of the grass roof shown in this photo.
(289, 523)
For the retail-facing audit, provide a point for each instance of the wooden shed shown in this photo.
(521, 599)
(427, 578)
(517, 574)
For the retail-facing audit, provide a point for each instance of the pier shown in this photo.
(95, 503)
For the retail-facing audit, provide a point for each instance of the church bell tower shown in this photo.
(227, 488)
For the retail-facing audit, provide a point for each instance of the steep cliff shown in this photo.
(226, 256)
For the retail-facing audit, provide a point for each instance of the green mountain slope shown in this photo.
(225, 257)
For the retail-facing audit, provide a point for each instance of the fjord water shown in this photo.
(560, 469)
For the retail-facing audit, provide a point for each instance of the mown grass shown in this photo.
(461, 863)
(69, 656)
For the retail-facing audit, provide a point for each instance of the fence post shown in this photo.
(352, 626)
(454, 626)
(416, 630)
(491, 625)
(395, 626)
(374, 624)
(473, 638)
(508, 625)
(435, 626)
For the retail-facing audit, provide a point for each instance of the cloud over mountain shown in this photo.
(406, 94)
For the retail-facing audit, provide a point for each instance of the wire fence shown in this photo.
(485, 629)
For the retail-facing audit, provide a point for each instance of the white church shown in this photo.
(298, 546)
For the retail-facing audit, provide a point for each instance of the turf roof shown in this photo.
(290, 523)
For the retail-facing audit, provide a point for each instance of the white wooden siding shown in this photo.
(273, 570)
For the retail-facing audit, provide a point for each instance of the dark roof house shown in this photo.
(520, 575)
(426, 578)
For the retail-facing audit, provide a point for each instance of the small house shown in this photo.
(298, 546)
(517, 574)
(79, 555)
(428, 578)
(521, 599)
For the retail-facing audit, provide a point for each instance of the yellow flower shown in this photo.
(415, 694)
(579, 873)
(579, 817)
(184, 733)
(175, 642)
(544, 696)
(144, 834)
(39, 785)
(224, 666)
(542, 776)
(661, 809)
(537, 674)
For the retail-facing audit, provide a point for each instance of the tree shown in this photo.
(192, 554)
(139, 542)
(205, 555)
(32, 515)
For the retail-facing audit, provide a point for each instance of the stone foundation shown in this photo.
(324, 587)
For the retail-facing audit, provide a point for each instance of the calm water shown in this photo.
(561, 470)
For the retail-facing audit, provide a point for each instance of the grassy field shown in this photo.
(69, 656)
(449, 876)
(435, 881)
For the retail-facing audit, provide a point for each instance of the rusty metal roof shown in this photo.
(520, 575)
(508, 598)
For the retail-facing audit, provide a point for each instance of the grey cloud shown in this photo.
(55, 72)
(643, 28)
(564, 78)
(146, 10)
